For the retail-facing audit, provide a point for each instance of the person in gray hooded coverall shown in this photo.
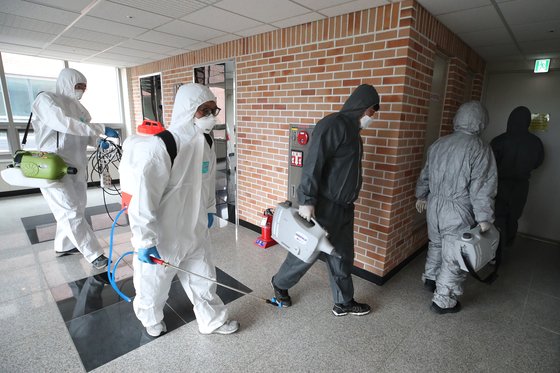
(331, 181)
(459, 183)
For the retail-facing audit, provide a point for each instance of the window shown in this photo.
(152, 108)
(3, 113)
(23, 91)
(101, 98)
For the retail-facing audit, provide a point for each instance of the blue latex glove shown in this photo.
(144, 255)
(210, 220)
(103, 143)
(109, 132)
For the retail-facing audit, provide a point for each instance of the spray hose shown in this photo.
(111, 271)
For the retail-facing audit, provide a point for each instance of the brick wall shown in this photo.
(299, 74)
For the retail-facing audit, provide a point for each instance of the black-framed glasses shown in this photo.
(210, 111)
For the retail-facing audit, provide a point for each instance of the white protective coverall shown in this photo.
(459, 180)
(61, 125)
(169, 209)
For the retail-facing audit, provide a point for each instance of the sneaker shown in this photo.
(73, 251)
(352, 307)
(437, 309)
(157, 330)
(229, 327)
(281, 295)
(430, 285)
(100, 262)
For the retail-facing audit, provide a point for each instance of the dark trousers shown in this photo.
(338, 221)
(510, 202)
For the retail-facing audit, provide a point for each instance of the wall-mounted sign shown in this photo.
(539, 122)
(541, 66)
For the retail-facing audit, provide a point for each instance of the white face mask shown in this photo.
(365, 121)
(205, 123)
(78, 93)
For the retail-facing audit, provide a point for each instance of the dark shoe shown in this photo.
(352, 307)
(430, 285)
(437, 309)
(73, 251)
(100, 262)
(281, 295)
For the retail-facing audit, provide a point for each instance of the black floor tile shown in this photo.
(104, 327)
(30, 223)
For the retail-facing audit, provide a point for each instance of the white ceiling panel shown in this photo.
(128, 15)
(320, 4)
(36, 11)
(78, 43)
(132, 52)
(72, 51)
(263, 10)
(477, 19)
(493, 52)
(220, 19)
(223, 39)
(166, 39)
(182, 28)
(519, 12)
(298, 20)
(86, 35)
(540, 46)
(61, 55)
(24, 37)
(170, 8)
(537, 31)
(256, 30)
(15, 48)
(486, 37)
(109, 27)
(352, 6)
(121, 57)
(30, 24)
(70, 5)
(146, 46)
(440, 7)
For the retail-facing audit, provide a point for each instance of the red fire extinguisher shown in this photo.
(265, 240)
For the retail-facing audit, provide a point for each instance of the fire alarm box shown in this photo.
(300, 136)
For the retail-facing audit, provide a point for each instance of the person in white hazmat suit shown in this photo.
(62, 126)
(458, 185)
(169, 214)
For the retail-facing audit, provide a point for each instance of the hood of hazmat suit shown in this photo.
(61, 122)
(333, 163)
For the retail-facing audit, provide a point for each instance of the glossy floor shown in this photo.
(58, 314)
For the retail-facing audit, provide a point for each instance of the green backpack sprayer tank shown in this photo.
(42, 165)
(36, 169)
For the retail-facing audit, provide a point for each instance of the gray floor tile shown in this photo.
(543, 310)
(17, 283)
(537, 350)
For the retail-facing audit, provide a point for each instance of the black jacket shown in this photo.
(517, 151)
(332, 166)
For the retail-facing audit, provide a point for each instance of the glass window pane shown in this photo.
(3, 113)
(31, 66)
(42, 85)
(101, 98)
(19, 97)
(4, 142)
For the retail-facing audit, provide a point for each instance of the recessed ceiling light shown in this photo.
(129, 17)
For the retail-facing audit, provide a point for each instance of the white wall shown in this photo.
(541, 94)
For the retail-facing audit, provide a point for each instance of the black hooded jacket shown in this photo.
(517, 151)
(332, 166)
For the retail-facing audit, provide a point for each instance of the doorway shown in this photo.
(220, 78)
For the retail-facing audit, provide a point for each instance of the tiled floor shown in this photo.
(510, 326)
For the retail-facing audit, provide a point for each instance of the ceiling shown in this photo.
(506, 33)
